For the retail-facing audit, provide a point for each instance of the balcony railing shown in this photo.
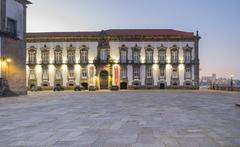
(58, 62)
(70, 61)
(136, 61)
(45, 61)
(32, 62)
(81, 61)
(149, 61)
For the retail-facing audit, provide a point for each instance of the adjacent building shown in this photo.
(13, 46)
(131, 58)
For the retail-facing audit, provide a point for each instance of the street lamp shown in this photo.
(231, 82)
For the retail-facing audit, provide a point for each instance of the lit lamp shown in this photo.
(8, 60)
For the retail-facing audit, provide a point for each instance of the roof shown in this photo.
(116, 33)
(25, 2)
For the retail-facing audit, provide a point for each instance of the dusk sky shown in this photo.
(218, 22)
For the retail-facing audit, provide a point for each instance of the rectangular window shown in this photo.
(32, 57)
(136, 57)
(103, 54)
(136, 73)
(45, 56)
(188, 73)
(84, 73)
(149, 72)
(174, 56)
(162, 56)
(45, 75)
(149, 56)
(174, 73)
(58, 57)
(123, 56)
(162, 72)
(32, 75)
(71, 73)
(123, 72)
(84, 57)
(187, 57)
(71, 56)
(12, 27)
(58, 74)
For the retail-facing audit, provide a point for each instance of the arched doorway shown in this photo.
(104, 79)
(123, 85)
(162, 86)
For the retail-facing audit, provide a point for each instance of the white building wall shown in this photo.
(14, 10)
(0, 57)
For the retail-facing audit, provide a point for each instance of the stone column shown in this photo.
(196, 59)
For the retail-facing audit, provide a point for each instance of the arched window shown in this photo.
(149, 72)
(71, 54)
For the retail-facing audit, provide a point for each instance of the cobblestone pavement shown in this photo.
(170, 118)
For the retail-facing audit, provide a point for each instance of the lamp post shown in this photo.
(231, 82)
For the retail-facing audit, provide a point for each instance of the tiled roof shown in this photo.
(115, 32)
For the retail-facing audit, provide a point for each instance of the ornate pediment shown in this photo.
(58, 48)
(32, 49)
(136, 47)
(45, 48)
(162, 48)
(71, 48)
(174, 48)
(83, 47)
(187, 48)
(123, 47)
(149, 47)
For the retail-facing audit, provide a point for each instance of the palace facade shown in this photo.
(131, 58)
(13, 47)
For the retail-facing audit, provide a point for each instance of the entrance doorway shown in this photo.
(162, 86)
(104, 79)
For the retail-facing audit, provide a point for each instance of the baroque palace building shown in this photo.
(130, 58)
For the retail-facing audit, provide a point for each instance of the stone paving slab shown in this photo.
(147, 118)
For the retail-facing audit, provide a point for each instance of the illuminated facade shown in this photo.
(147, 58)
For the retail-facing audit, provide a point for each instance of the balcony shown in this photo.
(71, 61)
(162, 61)
(136, 62)
(57, 61)
(45, 62)
(149, 61)
(82, 61)
(32, 62)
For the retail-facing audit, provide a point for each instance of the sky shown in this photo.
(218, 22)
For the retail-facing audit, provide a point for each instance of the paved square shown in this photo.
(169, 118)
